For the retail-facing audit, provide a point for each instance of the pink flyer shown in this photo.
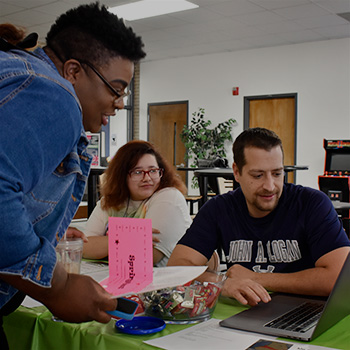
(130, 253)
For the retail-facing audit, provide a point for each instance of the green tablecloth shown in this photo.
(34, 329)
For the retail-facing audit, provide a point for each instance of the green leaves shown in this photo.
(204, 143)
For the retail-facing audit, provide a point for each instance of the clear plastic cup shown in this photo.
(70, 252)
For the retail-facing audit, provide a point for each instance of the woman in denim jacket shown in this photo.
(48, 99)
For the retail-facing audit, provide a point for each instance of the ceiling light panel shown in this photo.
(150, 8)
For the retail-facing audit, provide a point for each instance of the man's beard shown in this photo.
(267, 206)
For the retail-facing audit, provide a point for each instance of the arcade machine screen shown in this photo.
(339, 163)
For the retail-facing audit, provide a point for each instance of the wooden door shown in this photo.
(277, 113)
(166, 121)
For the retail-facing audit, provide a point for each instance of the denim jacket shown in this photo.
(43, 165)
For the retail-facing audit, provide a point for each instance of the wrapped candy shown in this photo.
(194, 302)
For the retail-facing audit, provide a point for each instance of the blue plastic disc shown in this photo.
(140, 325)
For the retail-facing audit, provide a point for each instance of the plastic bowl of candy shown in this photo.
(185, 304)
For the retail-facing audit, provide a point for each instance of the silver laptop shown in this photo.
(295, 316)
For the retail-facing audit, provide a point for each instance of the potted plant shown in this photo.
(203, 144)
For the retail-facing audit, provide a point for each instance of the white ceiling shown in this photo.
(216, 26)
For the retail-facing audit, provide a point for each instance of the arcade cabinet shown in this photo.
(336, 179)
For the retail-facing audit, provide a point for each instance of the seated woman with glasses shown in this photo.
(139, 183)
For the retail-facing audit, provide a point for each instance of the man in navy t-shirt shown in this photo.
(275, 236)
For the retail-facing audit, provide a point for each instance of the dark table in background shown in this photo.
(92, 191)
(292, 168)
(204, 174)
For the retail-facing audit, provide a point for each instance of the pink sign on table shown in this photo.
(130, 255)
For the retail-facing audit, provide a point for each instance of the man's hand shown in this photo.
(240, 284)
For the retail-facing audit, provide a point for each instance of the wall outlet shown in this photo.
(114, 139)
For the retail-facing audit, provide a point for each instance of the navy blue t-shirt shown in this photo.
(303, 227)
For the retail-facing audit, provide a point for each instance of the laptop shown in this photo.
(280, 316)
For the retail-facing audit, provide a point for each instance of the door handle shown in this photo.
(174, 143)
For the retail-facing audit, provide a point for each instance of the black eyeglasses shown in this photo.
(115, 92)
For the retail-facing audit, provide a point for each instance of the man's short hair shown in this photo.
(254, 137)
(92, 33)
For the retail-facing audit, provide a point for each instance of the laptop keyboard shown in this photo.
(299, 319)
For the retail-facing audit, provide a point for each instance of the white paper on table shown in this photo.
(171, 276)
(30, 302)
(97, 270)
(210, 335)
(89, 267)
